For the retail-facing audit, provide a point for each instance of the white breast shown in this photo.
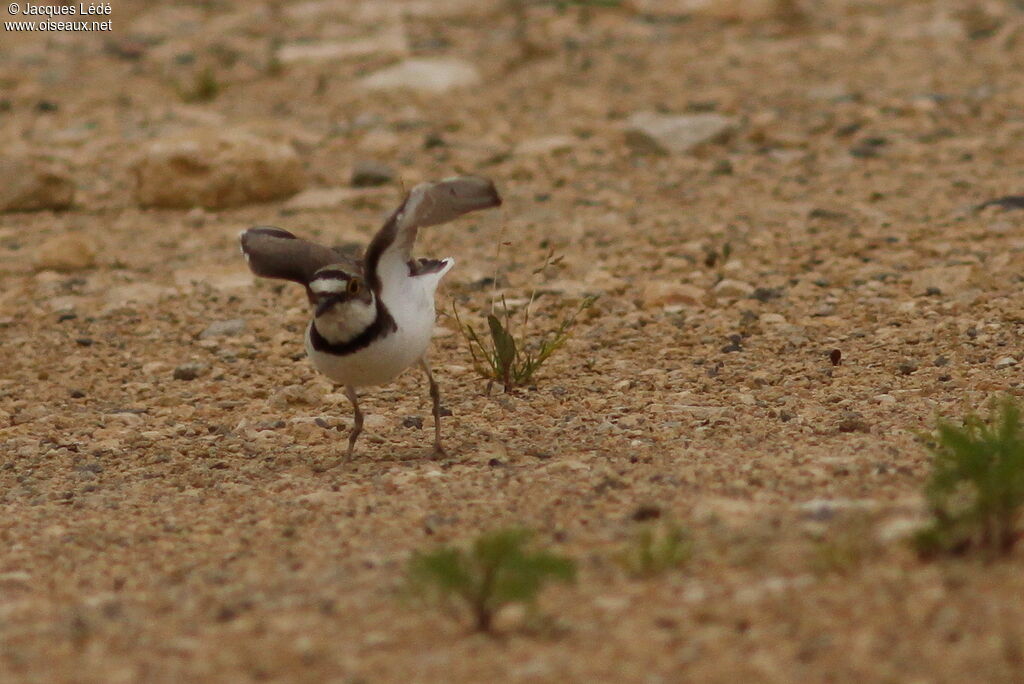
(411, 303)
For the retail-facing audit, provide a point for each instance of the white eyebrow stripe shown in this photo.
(321, 285)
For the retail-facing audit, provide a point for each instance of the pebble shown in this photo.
(661, 293)
(425, 75)
(552, 144)
(31, 184)
(649, 132)
(367, 174)
(852, 421)
(388, 43)
(71, 252)
(295, 395)
(216, 168)
(1006, 362)
(229, 328)
(189, 371)
(734, 288)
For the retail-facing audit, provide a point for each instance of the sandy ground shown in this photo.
(163, 529)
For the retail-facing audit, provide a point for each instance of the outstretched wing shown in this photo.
(427, 204)
(276, 253)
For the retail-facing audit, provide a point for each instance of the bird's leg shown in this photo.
(357, 424)
(435, 396)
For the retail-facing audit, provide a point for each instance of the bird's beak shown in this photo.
(324, 305)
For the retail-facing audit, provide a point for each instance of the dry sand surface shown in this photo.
(166, 511)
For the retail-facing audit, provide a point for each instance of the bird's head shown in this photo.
(344, 306)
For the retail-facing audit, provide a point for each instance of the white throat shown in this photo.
(346, 320)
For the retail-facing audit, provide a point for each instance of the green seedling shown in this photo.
(976, 490)
(204, 88)
(505, 355)
(498, 569)
(656, 549)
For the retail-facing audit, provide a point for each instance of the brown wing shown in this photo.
(276, 253)
(428, 204)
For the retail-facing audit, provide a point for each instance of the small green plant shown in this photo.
(497, 570)
(656, 549)
(204, 88)
(503, 357)
(976, 490)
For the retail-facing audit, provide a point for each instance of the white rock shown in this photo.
(659, 293)
(230, 328)
(650, 132)
(388, 43)
(424, 75)
(216, 168)
(772, 319)
(1006, 362)
(734, 288)
(552, 144)
(898, 529)
(29, 183)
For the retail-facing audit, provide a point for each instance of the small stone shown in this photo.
(734, 288)
(552, 144)
(216, 168)
(660, 293)
(425, 75)
(392, 42)
(413, 422)
(368, 174)
(649, 132)
(189, 371)
(868, 148)
(1006, 362)
(851, 421)
(228, 328)
(295, 395)
(71, 252)
(646, 512)
(1007, 202)
(30, 184)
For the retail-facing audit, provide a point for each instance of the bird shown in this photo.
(372, 317)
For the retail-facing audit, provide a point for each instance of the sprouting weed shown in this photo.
(656, 548)
(976, 490)
(497, 570)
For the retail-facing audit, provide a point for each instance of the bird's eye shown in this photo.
(354, 286)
